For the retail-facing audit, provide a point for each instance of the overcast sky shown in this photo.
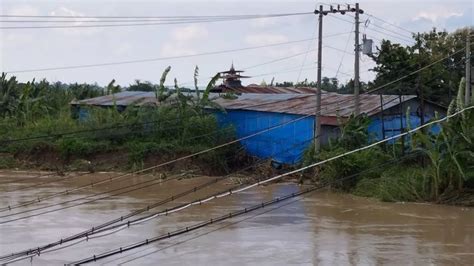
(41, 48)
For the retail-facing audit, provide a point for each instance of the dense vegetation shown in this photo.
(432, 167)
(37, 122)
(438, 82)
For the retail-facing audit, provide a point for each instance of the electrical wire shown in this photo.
(147, 241)
(392, 83)
(116, 228)
(264, 212)
(153, 17)
(67, 192)
(186, 21)
(291, 56)
(389, 23)
(382, 86)
(394, 36)
(404, 36)
(414, 72)
(96, 229)
(155, 59)
(343, 55)
(308, 50)
(40, 251)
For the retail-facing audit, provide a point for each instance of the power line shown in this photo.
(411, 73)
(97, 229)
(66, 192)
(155, 166)
(394, 25)
(179, 208)
(388, 139)
(154, 17)
(94, 258)
(343, 55)
(306, 56)
(351, 22)
(391, 35)
(409, 37)
(269, 210)
(262, 205)
(157, 58)
(406, 37)
(367, 92)
(270, 74)
(414, 72)
(187, 21)
(294, 55)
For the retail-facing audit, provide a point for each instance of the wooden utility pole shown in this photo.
(467, 98)
(356, 62)
(321, 13)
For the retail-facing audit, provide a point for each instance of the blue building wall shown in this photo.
(285, 144)
(392, 126)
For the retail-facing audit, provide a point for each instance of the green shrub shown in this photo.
(81, 147)
(399, 183)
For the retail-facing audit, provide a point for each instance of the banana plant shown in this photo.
(161, 92)
(8, 96)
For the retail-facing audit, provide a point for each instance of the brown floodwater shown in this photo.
(323, 228)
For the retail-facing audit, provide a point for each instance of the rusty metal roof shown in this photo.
(254, 88)
(333, 105)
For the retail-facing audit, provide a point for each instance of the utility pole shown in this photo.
(321, 13)
(317, 118)
(356, 62)
(467, 98)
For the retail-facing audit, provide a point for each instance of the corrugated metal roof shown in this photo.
(124, 98)
(254, 88)
(333, 105)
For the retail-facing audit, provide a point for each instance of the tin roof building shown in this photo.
(288, 118)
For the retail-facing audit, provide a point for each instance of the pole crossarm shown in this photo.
(332, 10)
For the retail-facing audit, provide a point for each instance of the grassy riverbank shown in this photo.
(428, 168)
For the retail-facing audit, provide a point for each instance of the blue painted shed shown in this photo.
(284, 144)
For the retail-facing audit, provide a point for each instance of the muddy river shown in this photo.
(322, 228)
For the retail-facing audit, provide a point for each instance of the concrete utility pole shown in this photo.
(467, 98)
(321, 13)
(317, 118)
(356, 62)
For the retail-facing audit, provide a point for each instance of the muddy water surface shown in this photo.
(321, 229)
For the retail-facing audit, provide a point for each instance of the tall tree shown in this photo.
(437, 81)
